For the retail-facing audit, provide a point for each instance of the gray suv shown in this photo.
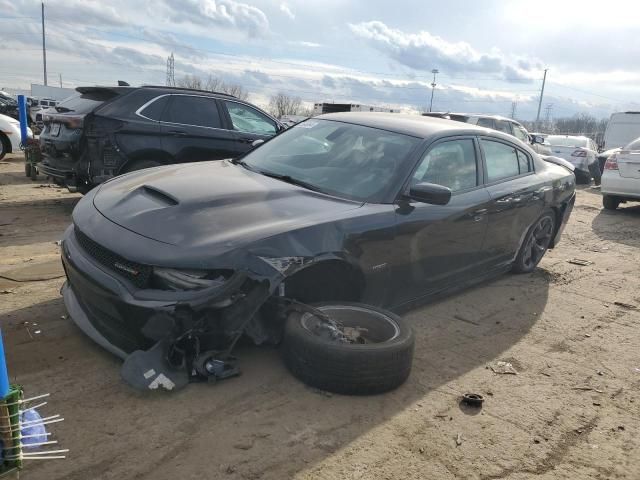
(496, 122)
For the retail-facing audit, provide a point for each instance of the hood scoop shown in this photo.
(159, 195)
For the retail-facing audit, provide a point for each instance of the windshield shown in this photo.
(352, 161)
(560, 141)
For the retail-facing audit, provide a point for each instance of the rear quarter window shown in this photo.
(156, 108)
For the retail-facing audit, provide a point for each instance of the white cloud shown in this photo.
(424, 51)
(284, 8)
(219, 13)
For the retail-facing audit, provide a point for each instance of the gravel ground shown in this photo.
(570, 412)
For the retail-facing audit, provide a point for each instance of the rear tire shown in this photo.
(33, 173)
(535, 243)
(27, 169)
(610, 202)
(141, 165)
(350, 368)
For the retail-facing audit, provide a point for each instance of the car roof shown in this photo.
(581, 137)
(414, 125)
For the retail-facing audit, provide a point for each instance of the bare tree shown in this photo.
(283, 104)
(213, 84)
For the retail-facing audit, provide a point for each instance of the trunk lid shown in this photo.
(629, 163)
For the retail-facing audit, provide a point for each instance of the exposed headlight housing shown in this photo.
(178, 280)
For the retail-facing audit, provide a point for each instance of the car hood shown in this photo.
(212, 203)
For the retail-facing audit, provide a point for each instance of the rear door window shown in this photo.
(486, 122)
(194, 110)
(503, 126)
(501, 159)
(249, 120)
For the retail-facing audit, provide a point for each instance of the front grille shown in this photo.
(136, 273)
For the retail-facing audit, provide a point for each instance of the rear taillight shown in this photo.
(579, 153)
(611, 163)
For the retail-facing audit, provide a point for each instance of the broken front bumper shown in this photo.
(123, 319)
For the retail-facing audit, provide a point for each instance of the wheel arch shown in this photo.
(326, 280)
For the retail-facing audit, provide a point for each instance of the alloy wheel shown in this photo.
(538, 242)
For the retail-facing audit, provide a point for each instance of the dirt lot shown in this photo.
(572, 411)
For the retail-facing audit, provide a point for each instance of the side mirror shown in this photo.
(537, 139)
(430, 193)
(257, 142)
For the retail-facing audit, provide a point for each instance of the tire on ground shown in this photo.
(350, 369)
(610, 202)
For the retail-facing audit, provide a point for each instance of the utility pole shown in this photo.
(514, 105)
(171, 78)
(544, 80)
(44, 47)
(433, 86)
(547, 120)
(60, 76)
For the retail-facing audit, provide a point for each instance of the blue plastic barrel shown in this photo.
(4, 375)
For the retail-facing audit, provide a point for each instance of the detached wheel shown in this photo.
(610, 202)
(377, 358)
(535, 243)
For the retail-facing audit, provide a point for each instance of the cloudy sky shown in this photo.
(490, 53)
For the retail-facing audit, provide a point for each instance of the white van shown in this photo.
(623, 127)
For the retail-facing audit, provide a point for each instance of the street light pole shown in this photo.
(44, 48)
(433, 86)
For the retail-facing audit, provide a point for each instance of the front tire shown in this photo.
(535, 243)
(610, 202)
(380, 364)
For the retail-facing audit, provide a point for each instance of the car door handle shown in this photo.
(177, 133)
(247, 140)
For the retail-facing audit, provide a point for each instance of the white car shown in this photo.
(10, 135)
(581, 152)
(621, 176)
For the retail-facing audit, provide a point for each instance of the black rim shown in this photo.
(538, 242)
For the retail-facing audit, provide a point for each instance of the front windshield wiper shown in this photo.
(291, 180)
(61, 109)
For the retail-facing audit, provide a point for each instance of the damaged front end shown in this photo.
(172, 327)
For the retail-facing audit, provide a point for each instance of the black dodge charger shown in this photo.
(385, 209)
